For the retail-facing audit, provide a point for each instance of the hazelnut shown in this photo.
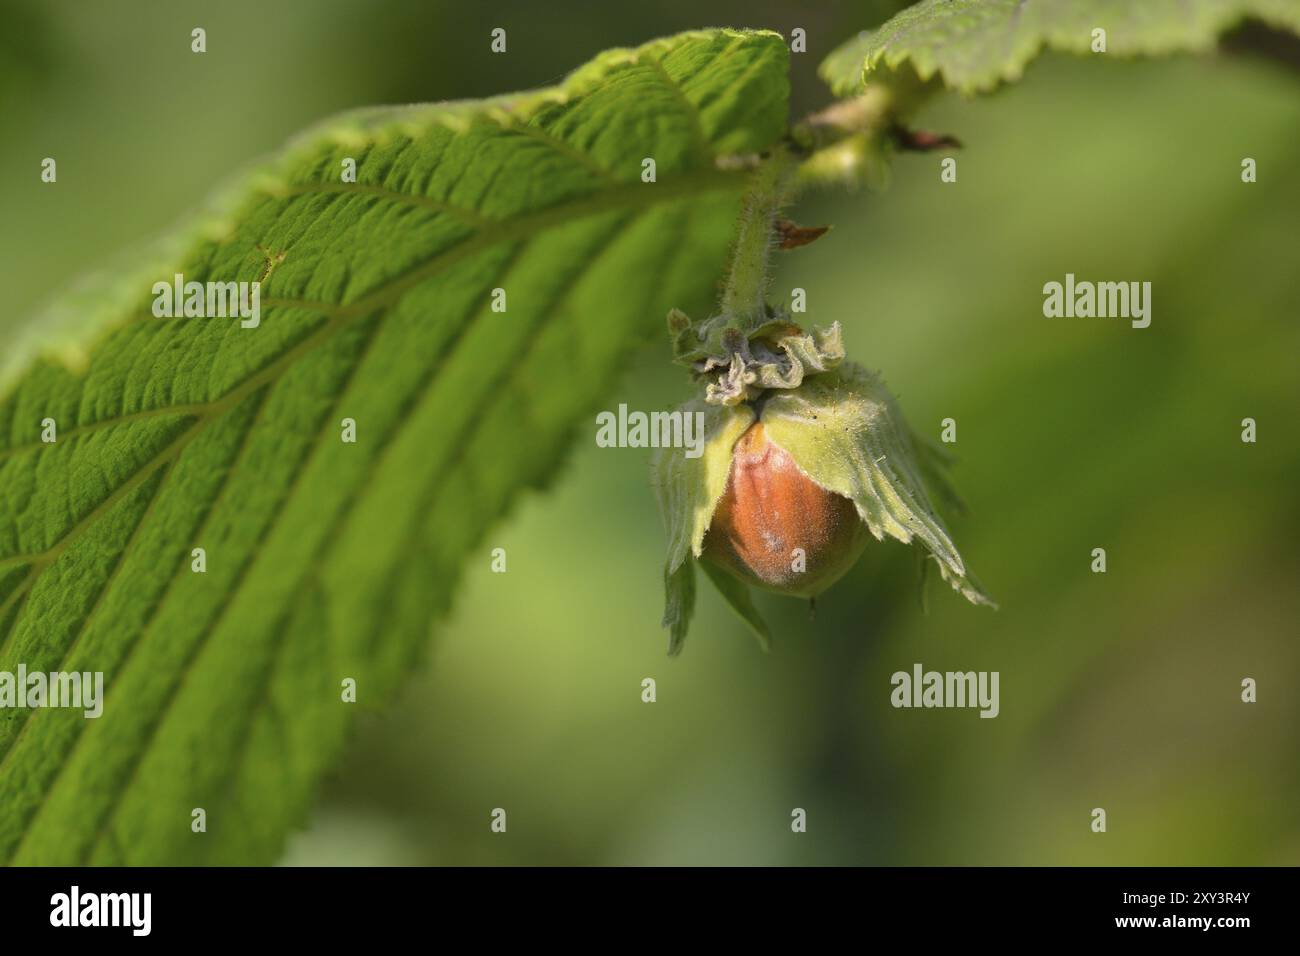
(776, 528)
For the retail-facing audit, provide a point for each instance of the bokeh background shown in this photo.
(1119, 690)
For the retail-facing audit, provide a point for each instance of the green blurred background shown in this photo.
(1119, 690)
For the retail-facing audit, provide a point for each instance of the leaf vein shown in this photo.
(90, 616)
(313, 450)
(134, 643)
(466, 215)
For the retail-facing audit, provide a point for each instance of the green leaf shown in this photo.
(846, 432)
(327, 560)
(679, 603)
(688, 490)
(842, 68)
(740, 600)
(974, 45)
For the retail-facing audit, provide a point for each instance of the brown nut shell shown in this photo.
(771, 508)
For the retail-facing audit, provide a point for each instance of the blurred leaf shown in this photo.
(26, 49)
(327, 560)
(741, 601)
(842, 68)
(976, 44)
(688, 490)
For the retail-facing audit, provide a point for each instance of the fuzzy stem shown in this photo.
(744, 296)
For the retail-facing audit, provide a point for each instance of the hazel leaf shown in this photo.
(326, 561)
(974, 45)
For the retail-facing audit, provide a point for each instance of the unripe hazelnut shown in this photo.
(805, 458)
(770, 512)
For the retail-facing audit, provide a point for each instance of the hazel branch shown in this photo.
(744, 295)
